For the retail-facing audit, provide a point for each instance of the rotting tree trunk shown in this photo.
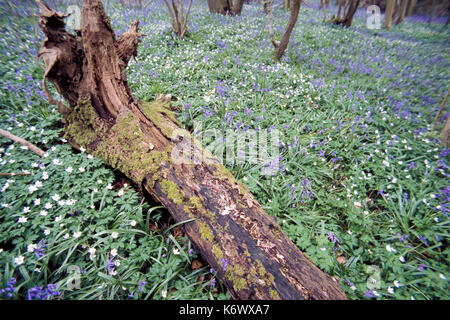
(247, 248)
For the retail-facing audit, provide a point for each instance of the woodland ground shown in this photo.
(362, 181)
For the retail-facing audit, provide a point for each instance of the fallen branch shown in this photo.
(23, 142)
(12, 174)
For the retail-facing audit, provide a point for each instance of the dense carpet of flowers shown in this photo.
(361, 184)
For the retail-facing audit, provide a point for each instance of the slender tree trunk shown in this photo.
(295, 9)
(350, 9)
(445, 133)
(411, 6)
(267, 6)
(244, 245)
(323, 4)
(338, 16)
(351, 12)
(433, 9)
(236, 9)
(402, 11)
(441, 109)
(287, 4)
(390, 6)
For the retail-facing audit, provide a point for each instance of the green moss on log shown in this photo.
(158, 112)
(173, 191)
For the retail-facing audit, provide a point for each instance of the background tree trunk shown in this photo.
(390, 6)
(411, 6)
(445, 133)
(236, 9)
(323, 4)
(350, 8)
(226, 6)
(218, 6)
(281, 47)
(402, 11)
(246, 247)
(287, 4)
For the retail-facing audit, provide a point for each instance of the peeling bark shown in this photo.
(142, 140)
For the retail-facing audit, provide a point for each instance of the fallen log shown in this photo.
(246, 247)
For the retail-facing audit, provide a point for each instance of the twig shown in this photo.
(12, 174)
(23, 142)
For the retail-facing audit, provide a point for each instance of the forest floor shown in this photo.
(361, 183)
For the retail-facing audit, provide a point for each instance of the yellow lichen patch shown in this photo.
(274, 295)
(173, 191)
(217, 251)
(236, 274)
(206, 232)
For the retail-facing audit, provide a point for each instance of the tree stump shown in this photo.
(247, 248)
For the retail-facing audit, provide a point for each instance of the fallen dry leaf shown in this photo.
(196, 264)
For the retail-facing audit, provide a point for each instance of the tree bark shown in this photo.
(236, 9)
(226, 6)
(390, 6)
(323, 4)
(445, 133)
(246, 247)
(411, 6)
(281, 47)
(349, 12)
(287, 4)
(402, 11)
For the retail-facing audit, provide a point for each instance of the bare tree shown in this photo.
(177, 17)
(281, 46)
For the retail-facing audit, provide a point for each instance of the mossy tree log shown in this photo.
(252, 255)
